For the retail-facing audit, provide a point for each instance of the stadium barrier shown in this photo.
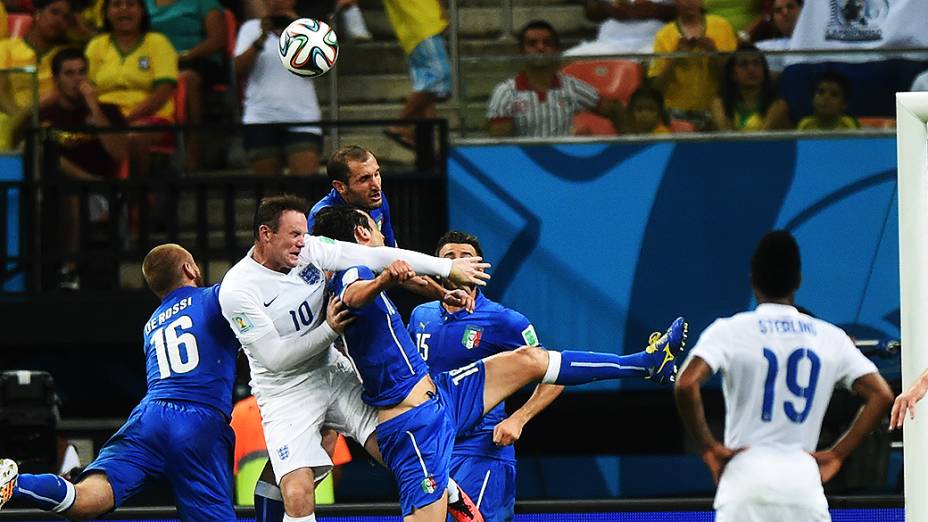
(120, 219)
(843, 509)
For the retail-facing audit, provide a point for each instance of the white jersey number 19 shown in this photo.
(795, 387)
(167, 347)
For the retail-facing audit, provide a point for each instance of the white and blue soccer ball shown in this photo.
(308, 47)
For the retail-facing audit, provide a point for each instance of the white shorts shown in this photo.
(748, 512)
(763, 484)
(293, 422)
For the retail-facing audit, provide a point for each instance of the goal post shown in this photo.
(912, 151)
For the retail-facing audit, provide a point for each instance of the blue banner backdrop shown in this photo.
(600, 244)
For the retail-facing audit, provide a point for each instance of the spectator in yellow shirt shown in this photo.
(830, 105)
(36, 48)
(689, 84)
(135, 69)
(748, 101)
(646, 114)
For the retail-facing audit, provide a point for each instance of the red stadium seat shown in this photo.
(18, 24)
(874, 122)
(589, 124)
(681, 126)
(614, 79)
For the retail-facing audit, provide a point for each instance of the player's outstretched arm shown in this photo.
(329, 254)
(877, 397)
(362, 292)
(905, 402)
(688, 395)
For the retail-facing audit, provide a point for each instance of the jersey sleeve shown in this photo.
(343, 279)
(244, 314)
(663, 43)
(247, 34)
(329, 254)
(500, 104)
(586, 95)
(712, 346)
(517, 331)
(163, 59)
(853, 364)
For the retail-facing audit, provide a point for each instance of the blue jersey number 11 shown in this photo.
(806, 392)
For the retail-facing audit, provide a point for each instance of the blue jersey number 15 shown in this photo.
(806, 392)
(168, 341)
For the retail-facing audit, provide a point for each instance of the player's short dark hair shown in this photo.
(339, 222)
(161, 268)
(459, 237)
(538, 24)
(836, 78)
(776, 266)
(144, 23)
(271, 208)
(337, 167)
(68, 53)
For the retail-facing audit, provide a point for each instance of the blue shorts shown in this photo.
(416, 445)
(491, 484)
(185, 444)
(430, 68)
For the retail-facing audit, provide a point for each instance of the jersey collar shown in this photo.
(337, 197)
(777, 308)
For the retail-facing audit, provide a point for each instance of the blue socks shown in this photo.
(269, 504)
(569, 367)
(47, 491)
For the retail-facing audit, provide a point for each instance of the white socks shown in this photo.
(554, 368)
(307, 518)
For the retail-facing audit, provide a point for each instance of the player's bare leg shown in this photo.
(435, 512)
(508, 372)
(93, 496)
(298, 490)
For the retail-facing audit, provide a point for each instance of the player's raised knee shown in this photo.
(533, 358)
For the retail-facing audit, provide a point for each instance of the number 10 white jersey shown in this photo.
(779, 368)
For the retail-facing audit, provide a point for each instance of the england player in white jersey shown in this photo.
(779, 368)
(273, 298)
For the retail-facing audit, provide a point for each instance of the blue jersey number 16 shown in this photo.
(167, 347)
(806, 392)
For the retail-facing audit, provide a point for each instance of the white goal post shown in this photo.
(912, 148)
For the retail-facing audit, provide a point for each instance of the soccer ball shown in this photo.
(308, 47)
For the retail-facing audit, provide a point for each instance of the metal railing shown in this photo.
(211, 215)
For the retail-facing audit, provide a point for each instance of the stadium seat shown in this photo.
(681, 126)
(18, 24)
(614, 79)
(589, 124)
(873, 122)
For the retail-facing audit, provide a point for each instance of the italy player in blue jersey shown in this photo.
(180, 430)
(420, 416)
(355, 177)
(483, 461)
